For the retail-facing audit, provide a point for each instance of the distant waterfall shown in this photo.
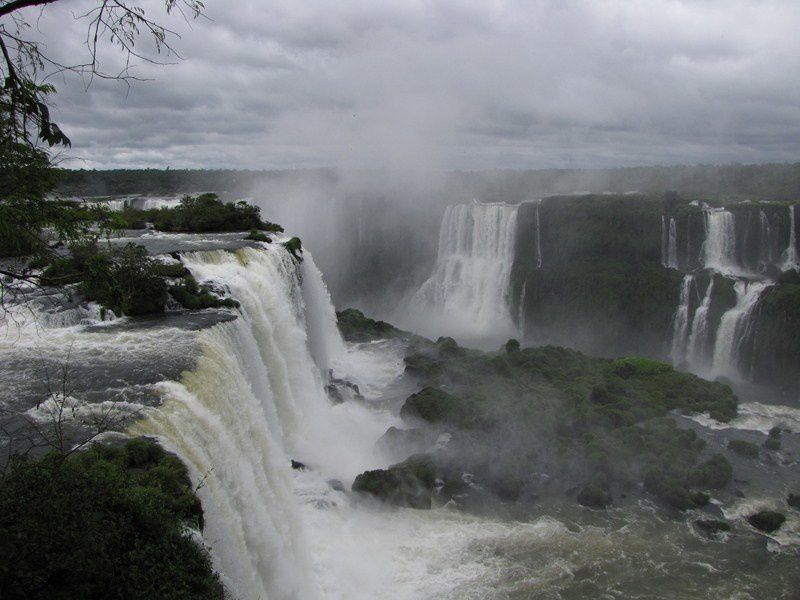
(698, 338)
(680, 321)
(254, 401)
(467, 294)
(669, 242)
(790, 257)
(733, 328)
(538, 236)
(719, 249)
(765, 240)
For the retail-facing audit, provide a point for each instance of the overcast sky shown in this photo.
(446, 84)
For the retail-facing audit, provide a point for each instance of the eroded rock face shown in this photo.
(410, 483)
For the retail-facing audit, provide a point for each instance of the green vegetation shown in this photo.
(295, 247)
(107, 522)
(200, 214)
(128, 281)
(558, 410)
(257, 236)
(192, 296)
(409, 483)
(744, 448)
(775, 346)
(356, 327)
(601, 284)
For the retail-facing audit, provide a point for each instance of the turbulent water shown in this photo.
(467, 294)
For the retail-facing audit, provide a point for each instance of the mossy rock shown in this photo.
(711, 527)
(356, 327)
(295, 247)
(743, 448)
(257, 236)
(594, 496)
(435, 406)
(767, 521)
(410, 483)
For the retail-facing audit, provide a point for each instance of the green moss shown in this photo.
(104, 519)
(356, 327)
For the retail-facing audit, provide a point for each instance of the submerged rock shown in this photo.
(767, 520)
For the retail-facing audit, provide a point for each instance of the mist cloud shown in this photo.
(438, 84)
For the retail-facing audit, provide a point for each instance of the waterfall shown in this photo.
(790, 258)
(765, 240)
(468, 290)
(698, 337)
(733, 328)
(538, 237)
(255, 400)
(669, 242)
(719, 248)
(680, 321)
(672, 245)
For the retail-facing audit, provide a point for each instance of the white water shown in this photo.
(765, 246)
(699, 332)
(733, 328)
(680, 321)
(467, 294)
(790, 257)
(538, 236)
(669, 243)
(719, 248)
(254, 401)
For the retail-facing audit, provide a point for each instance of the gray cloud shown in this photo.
(447, 84)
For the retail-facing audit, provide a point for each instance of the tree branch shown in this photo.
(11, 7)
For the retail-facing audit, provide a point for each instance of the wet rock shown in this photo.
(406, 441)
(298, 466)
(336, 485)
(711, 528)
(594, 496)
(410, 483)
(767, 520)
(793, 500)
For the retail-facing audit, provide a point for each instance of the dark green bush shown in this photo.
(767, 520)
(744, 448)
(93, 526)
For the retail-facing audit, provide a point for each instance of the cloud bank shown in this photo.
(443, 84)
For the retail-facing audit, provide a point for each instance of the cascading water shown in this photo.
(538, 236)
(698, 338)
(680, 321)
(719, 248)
(765, 240)
(733, 326)
(467, 294)
(790, 257)
(669, 242)
(254, 401)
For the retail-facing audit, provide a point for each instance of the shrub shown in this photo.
(743, 448)
(715, 473)
(89, 526)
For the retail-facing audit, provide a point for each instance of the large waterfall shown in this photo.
(255, 400)
(733, 328)
(719, 249)
(467, 294)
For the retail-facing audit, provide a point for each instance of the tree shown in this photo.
(32, 223)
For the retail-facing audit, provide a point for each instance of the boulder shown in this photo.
(767, 520)
(410, 483)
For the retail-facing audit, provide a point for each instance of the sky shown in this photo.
(441, 85)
